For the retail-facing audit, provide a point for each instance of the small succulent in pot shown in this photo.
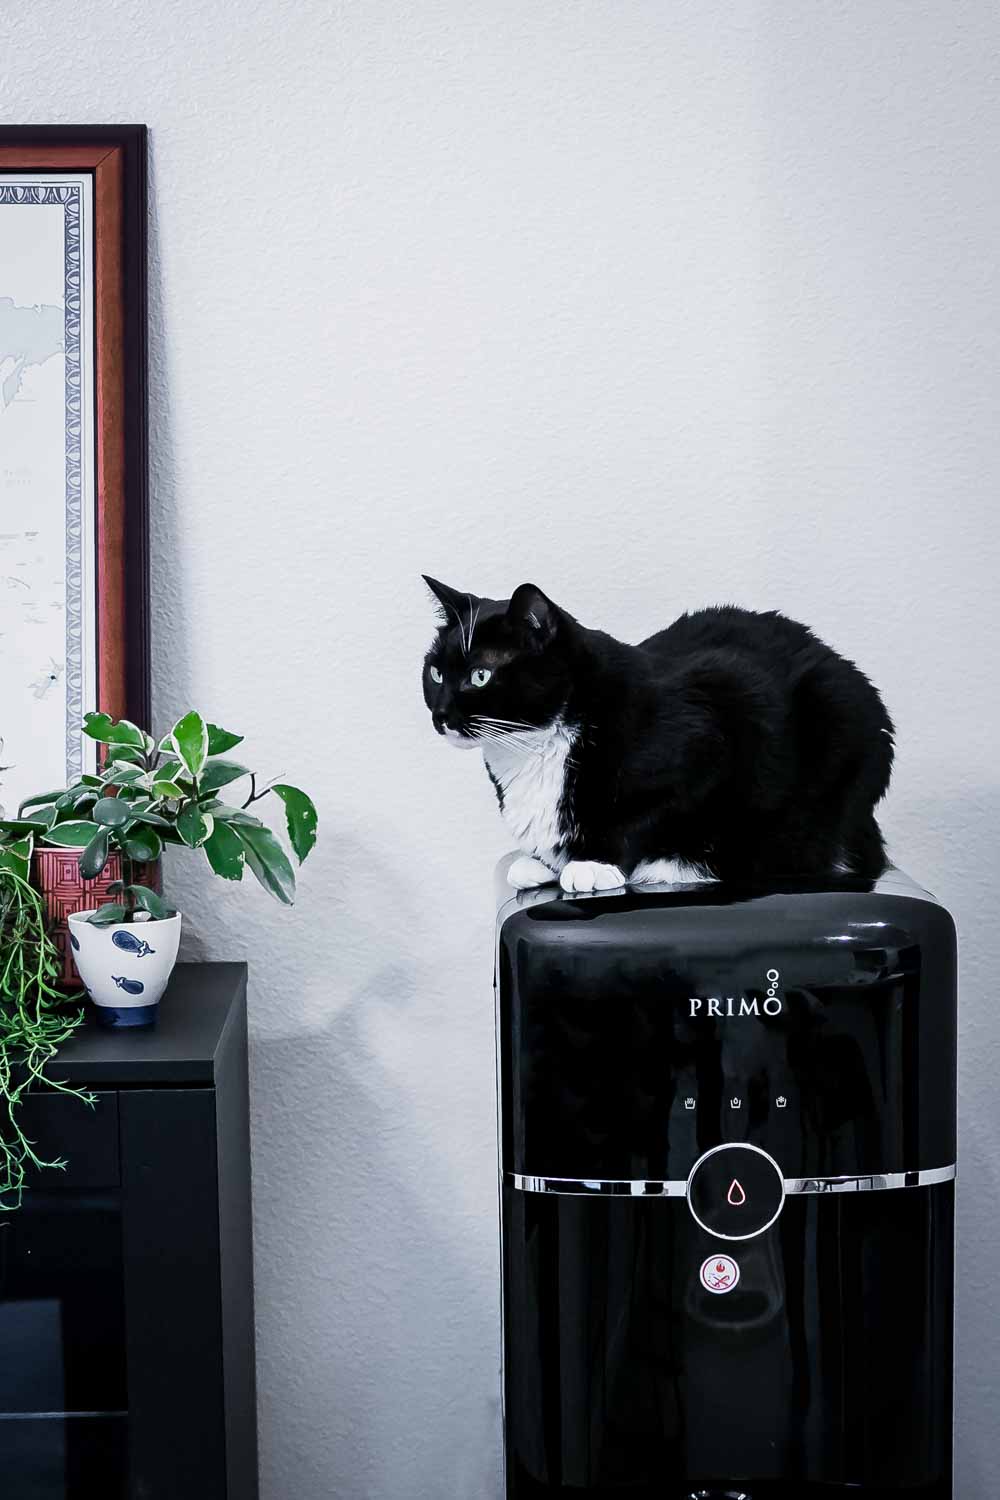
(148, 795)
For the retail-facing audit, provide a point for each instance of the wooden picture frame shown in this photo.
(95, 177)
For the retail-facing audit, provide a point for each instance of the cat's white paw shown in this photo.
(587, 875)
(526, 873)
(667, 872)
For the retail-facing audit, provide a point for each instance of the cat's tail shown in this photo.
(865, 852)
(840, 713)
(848, 736)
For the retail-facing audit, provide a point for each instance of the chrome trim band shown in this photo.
(604, 1187)
(876, 1182)
(638, 1187)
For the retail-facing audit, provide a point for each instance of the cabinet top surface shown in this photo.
(202, 1002)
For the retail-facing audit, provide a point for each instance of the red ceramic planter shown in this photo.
(56, 873)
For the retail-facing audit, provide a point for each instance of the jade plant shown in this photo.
(36, 1017)
(149, 794)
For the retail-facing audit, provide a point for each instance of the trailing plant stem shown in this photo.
(34, 1023)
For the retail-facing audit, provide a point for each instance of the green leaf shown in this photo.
(300, 815)
(143, 844)
(236, 815)
(41, 797)
(267, 860)
(193, 825)
(112, 812)
(219, 773)
(95, 856)
(109, 732)
(72, 835)
(127, 753)
(221, 740)
(167, 789)
(169, 770)
(106, 914)
(143, 815)
(190, 741)
(224, 849)
(124, 732)
(13, 827)
(148, 900)
(119, 774)
(17, 857)
(92, 781)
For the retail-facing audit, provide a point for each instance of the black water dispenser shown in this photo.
(727, 1185)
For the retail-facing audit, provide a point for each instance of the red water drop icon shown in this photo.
(736, 1196)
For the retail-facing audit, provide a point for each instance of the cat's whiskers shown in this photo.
(512, 724)
(522, 746)
(466, 644)
(518, 747)
(503, 732)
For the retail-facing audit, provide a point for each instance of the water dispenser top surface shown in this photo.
(637, 1031)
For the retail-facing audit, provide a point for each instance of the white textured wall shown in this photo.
(656, 304)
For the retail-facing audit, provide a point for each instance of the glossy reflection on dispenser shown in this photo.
(696, 1304)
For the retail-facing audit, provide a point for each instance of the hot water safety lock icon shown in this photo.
(719, 1274)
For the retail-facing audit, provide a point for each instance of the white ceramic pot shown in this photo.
(126, 965)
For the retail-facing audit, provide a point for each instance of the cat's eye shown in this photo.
(480, 677)
(436, 675)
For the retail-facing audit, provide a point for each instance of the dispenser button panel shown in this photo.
(736, 1191)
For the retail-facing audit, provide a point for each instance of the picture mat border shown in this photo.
(79, 437)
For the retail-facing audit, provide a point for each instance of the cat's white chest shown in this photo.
(530, 770)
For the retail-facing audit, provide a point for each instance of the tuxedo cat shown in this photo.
(731, 745)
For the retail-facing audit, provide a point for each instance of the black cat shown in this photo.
(731, 745)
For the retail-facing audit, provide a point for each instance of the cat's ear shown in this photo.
(532, 616)
(452, 601)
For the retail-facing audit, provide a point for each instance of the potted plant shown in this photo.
(148, 795)
(35, 1017)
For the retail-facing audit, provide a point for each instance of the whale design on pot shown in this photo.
(129, 943)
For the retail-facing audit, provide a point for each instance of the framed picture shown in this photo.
(74, 612)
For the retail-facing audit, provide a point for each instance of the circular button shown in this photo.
(735, 1192)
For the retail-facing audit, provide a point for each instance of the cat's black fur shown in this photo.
(732, 740)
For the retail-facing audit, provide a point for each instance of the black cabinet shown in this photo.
(126, 1290)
